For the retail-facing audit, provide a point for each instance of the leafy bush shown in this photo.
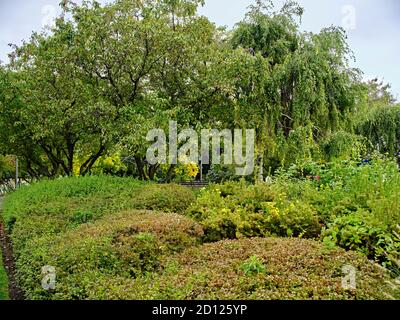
(222, 173)
(362, 232)
(128, 244)
(170, 198)
(54, 223)
(74, 225)
(343, 145)
(264, 269)
(70, 198)
(252, 266)
(235, 210)
(358, 203)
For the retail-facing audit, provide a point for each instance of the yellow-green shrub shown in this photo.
(169, 198)
(232, 211)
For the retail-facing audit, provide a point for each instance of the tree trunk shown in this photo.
(140, 168)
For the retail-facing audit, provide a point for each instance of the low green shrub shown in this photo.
(362, 232)
(347, 186)
(357, 202)
(168, 198)
(128, 244)
(71, 224)
(77, 199)
(250, 269)
(252, 266)
(235, 210)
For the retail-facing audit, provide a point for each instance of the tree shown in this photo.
(306, 82)
(105, 76)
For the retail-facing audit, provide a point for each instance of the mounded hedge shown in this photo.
(348, 204)
(169, 198)
(127, 244)
(268, 268)
(74, 225)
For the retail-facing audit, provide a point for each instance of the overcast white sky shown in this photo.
(373, 26)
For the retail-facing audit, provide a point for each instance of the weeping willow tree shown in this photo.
(342, 145)
(381, 127)
(304, 89)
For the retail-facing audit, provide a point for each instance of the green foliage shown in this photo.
(362, 232)
(342, 145)
(74, 100)
(169, 198)
(100, 80)
(220, 174)
(304, 92)
(7, 168)
(252, 266)
(127, 244)
(111, 164)
(381, 127)
(7, 173)
(80, 217)
(3, 280)
(235, 210)
(51, 207)
(345, 187)
(72, 224)
(356, 204)
(297, 269)
(70, 199)
(136, 65)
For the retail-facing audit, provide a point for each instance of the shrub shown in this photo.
(169, 198)
(222, 173)
(235, 210)
(55, 223)
(362, 232)
(252, 269)
(128, 244)
(78, 198)
(252, 266)
(348, 186)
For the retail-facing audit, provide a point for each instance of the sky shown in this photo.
(373, 27)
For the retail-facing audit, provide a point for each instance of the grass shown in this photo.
(3, 280)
